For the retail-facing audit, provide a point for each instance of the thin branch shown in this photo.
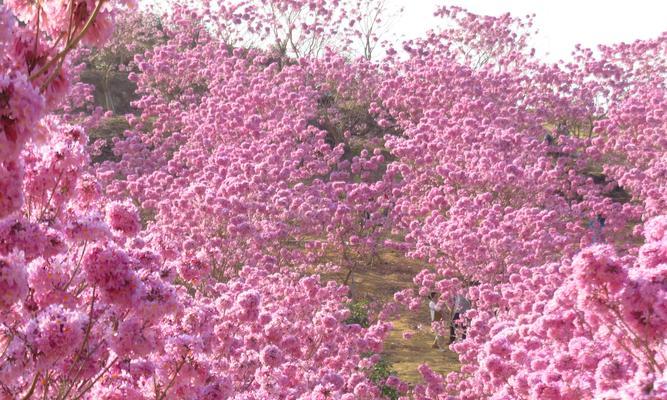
(32, 388)
(71, 44)
(91, 384)
(173, 379)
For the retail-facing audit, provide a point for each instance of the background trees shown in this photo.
(180, 252)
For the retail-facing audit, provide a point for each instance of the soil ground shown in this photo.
(377, 283)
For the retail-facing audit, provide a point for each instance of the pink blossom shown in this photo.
(54, 333)
(11, 197)
(13, 280)
(271, 356)
(109, 268)
(123, 217)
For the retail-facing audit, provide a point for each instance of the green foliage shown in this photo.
(379, 373)
(113, 90)
(359, 313)
(108, 67)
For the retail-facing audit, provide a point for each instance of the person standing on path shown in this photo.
(436, 315)
(461, 305)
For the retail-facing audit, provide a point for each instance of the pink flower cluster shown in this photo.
(510, 167)
(597, 330)
(187, 265)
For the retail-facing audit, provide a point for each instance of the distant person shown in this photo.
(549, 139)
(597, 226)
(461, 305)
(436, 315)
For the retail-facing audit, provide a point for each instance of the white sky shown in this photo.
(561, 23)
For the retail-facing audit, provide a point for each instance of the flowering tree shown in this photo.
(261, 154)
(283, 150)
(90, 309)
(510, 168)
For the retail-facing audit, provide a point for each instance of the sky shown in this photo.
(561, 23)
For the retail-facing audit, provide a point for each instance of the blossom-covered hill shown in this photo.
(242, 207)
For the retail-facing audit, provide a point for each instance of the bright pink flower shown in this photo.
(11, 193)
(271, 356)
(109, 268)
(13, 280)
(54, 333)
(598, 265)
(123, 217)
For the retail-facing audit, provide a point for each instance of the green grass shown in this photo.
(389, 274)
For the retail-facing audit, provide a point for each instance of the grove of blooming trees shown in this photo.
(184, 257)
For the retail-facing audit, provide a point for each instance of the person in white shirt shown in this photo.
(436, 315)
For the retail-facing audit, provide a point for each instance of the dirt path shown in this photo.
(390, 274)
